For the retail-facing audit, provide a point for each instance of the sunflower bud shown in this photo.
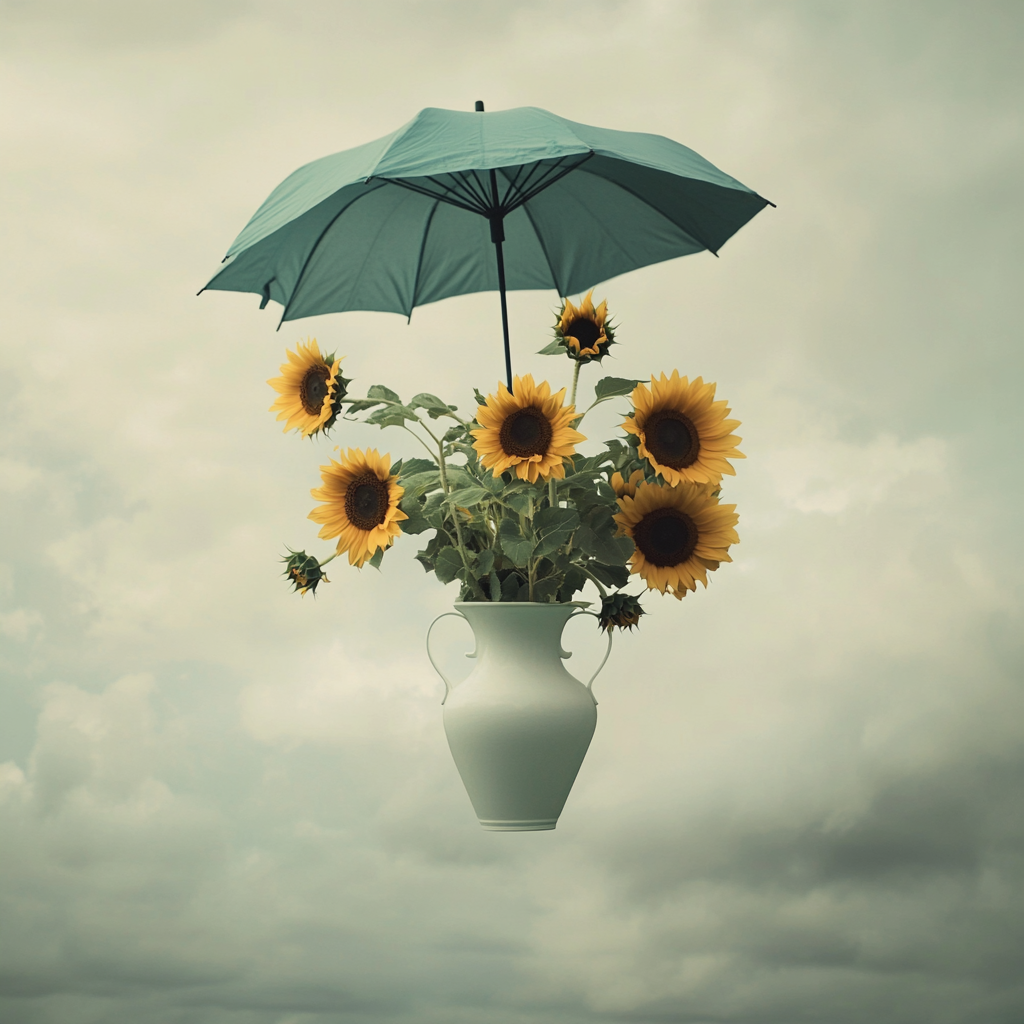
(620, 610)
(584, 332)
(303, 571)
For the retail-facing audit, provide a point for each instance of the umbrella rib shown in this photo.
(543, 249)
(548, 182)
(316, 245)
(661, 213)
(433, 195)
(481, 196)
(419, 262)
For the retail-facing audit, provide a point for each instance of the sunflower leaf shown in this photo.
(468, 496)
(510, 587)
(519, 501)
(494, 585)
(554, 527)
(377, 558)
(410, 466)
(480, 400)
(434, 406)
(613, 387)
(391, 416)
(379, 391)
(514, 544)
(610, 575)
(556, 348)
(448, 565)
(359, 404)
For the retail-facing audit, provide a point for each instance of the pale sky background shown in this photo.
(224, 804)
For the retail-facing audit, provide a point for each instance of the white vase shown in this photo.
(519, 726)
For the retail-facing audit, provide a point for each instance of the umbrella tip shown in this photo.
(479, 106)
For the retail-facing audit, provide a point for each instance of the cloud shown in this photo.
(221, 802)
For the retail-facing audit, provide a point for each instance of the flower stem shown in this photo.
(474, 583)
(575, 380)
(594, 580)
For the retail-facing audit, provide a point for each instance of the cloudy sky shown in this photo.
(224, 804)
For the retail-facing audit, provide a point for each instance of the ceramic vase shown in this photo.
(519, 726)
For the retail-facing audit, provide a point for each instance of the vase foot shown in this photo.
(529, 825)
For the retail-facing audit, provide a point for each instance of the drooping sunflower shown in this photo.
(529, 430)
(681, 532)
(584, 331)
(683, 431)
(309, 389)
(621, 487)
(360, 503)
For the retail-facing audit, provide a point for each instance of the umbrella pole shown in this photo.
(497, 237)
(504, 312)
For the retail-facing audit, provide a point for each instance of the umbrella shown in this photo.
(457, 202)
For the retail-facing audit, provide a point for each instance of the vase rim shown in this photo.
(522, 604)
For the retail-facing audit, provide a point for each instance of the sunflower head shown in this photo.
(584, 332)
(303, 571)
(622, 610)
(360, 504)
(528, 431)
(682, 431)
(622, 487)
(310, 390)
(680, 533)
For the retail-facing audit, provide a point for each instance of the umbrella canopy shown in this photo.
(420, 214)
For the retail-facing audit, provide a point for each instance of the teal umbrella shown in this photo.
(457, 202)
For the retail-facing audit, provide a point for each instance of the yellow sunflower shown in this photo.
(529, 430)
(309, 389)
(681, 533)
(584, 331)
(622, 487)
(683, 431)
(360, 504)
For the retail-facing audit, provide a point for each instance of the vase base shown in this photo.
(529, 825)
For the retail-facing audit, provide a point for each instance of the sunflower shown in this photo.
(584, 331)
(360, 504)
(683, 431)
(528, 429)
(622, 487)
(310, 390)
(681, 533)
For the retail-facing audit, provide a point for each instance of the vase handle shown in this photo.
(607, 653)
(447, 683)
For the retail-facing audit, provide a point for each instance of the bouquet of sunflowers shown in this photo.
(516, 513)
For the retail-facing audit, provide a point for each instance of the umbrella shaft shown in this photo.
(504, 312)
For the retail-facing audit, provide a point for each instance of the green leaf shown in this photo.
(520, 501)
(434, 406)
(448, 565)
(377, 558)
(391, 416)
(379, 391)
(468, 496)
(556, 348)
(485, 561)
(554, 527)
(359, 404)
(510, 587)
(480, 400)
(410, 466)
(416, 484)
(613, 387)
(495, 586)
(514, 544)
(610, 575)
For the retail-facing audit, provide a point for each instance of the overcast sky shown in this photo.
(224, 804)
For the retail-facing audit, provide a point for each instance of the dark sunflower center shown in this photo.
(313, 389)
(366, 501)
(666, 537)
(526, 432)
(672, 439)
(585, 331)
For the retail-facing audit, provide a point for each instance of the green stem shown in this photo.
(474, 583)
(594, 580)
(552, 492)
(575, 380)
